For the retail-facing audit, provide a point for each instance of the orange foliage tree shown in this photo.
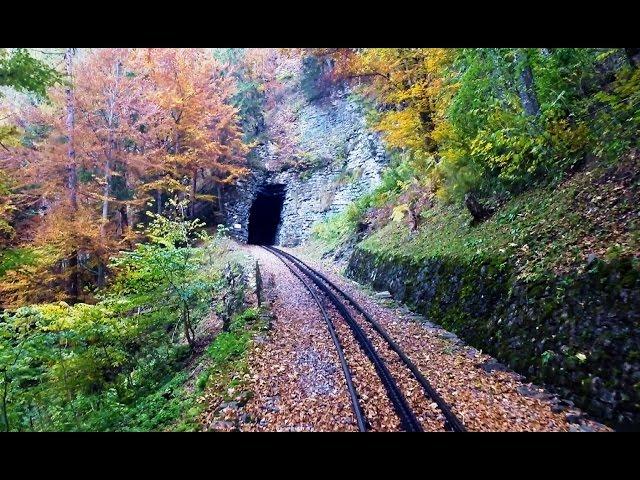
(126, 122)
(198, 126)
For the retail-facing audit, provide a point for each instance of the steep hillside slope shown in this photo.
(550, 284)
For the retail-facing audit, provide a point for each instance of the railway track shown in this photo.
(341, 301)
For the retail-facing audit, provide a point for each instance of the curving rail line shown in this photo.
(405, 413)
(452, 422)
(357, 409)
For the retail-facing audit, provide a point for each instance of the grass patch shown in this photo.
(339, 228)
(227, 346)
(543, 230)
(171, 407)
(228, 353)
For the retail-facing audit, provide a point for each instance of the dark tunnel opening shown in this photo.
(264, 216)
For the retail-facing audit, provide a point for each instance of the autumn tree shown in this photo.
(408, 85)
(198, 126)
(124, 124)
(24, 73)
(45, 172)
(491, 119)
(49, 188)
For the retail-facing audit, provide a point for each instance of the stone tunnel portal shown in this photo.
(265, 214)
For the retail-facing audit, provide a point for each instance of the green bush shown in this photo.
(114, 365)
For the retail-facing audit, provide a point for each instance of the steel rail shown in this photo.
(452, 422)
(357, 409)
(405, 413)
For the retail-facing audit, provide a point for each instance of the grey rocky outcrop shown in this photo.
(347, 159)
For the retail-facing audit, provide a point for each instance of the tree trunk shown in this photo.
(101, 275)
(526, 88)
(219, 192)
(159, 202)
(188, 331)
(498, 75)
(105, 215)
(108, 162)
(192, 206)
(72, 172)
(477, 210)
(130, 211)
(105, 199)
(122, 221)
(4, 403)
(415, 218)
(73, 288)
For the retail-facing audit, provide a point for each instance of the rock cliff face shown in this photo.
(342, 160)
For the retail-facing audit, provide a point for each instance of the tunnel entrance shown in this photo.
(264, 216)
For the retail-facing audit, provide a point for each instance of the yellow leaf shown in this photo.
(399, 212)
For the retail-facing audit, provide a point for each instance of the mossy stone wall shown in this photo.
(578, 333)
